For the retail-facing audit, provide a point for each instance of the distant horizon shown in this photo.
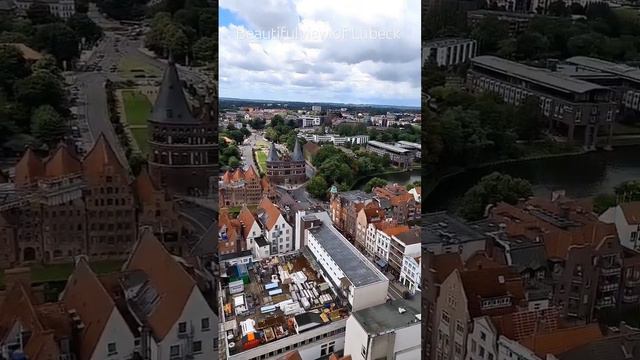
(321, 102)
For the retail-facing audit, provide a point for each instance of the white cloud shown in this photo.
(325, 51)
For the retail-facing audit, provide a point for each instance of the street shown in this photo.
(108, 53)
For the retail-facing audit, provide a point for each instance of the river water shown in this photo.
(580, 176)
(402, 178)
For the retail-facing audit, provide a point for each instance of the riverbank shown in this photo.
(580, 174)
(433, 182)
(388, 175)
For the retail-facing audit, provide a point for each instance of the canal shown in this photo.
(402, 178)
(580, 176)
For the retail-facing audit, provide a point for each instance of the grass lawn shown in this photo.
(137, 107)
(141, 135)
(60, 272)
(129, 67)
(261, 157)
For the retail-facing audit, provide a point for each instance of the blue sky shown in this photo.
(321, 51)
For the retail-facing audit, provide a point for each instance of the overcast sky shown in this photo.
(346, 51)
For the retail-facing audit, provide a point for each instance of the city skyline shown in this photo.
(321, 52)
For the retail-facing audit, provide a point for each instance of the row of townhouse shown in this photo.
(255, 234)
(59, 206)
(559, 256)
(156, 307)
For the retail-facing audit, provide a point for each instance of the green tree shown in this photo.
(528, 118)
(374, 183)
(48, 64)
(532, 45)
(38, 13)
(12, 67)
(628, 191)
(84, 27)
(492, 189)
(136, 163)
(48, 125)
(205, 50)
(489, 32)
(58, 40)
(318, 187)
(558, 8)
(40, 88)
(602, 202)
(207, 23)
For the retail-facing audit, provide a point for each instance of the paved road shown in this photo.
(93, 99)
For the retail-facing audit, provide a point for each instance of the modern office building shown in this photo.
(449, 52)
(582, 108)
(399, 157)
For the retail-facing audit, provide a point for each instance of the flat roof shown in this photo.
(409, 143)
(439, 226)
(356, 268)
(384, 317)
(623, 70)
(547, 77)
(388, 147)
(447, 42)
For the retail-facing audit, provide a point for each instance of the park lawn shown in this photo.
(261, 157)
(129, 67)
(141, 135)
(137, 107)
(60, 272)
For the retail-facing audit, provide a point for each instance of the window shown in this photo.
(182, 327)
(481, 352)
(483, 336)
(490, 356)
(363, 352)
(445, 317)
(197, 346)
(459, 327)
(323, 350)
(174, 350)
(473, 346)
(111, 349)
(205, 324)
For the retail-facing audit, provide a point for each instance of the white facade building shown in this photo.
(277, 232)
(411, 271)
(448, 52)
(481, 340)
(316, 108)
(309, 121)
(626, 217)
(386, 331)
(344, 267)
(61, 8)
(512, 350)
(337, 139)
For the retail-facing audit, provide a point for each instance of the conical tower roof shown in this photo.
(171, 105)
(297, 151)
(273, 154)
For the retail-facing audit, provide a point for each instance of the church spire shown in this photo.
(297, 152)
(273, 154)
(171, 104)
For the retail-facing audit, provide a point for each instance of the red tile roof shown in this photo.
(492, 283)
(85, 294)
(445, 264)
(169, 278)
(271, 211)
(29, 169)
(62, 163)
(562, 340)
(631, 212)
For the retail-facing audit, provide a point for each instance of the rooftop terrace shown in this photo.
(278, 298)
